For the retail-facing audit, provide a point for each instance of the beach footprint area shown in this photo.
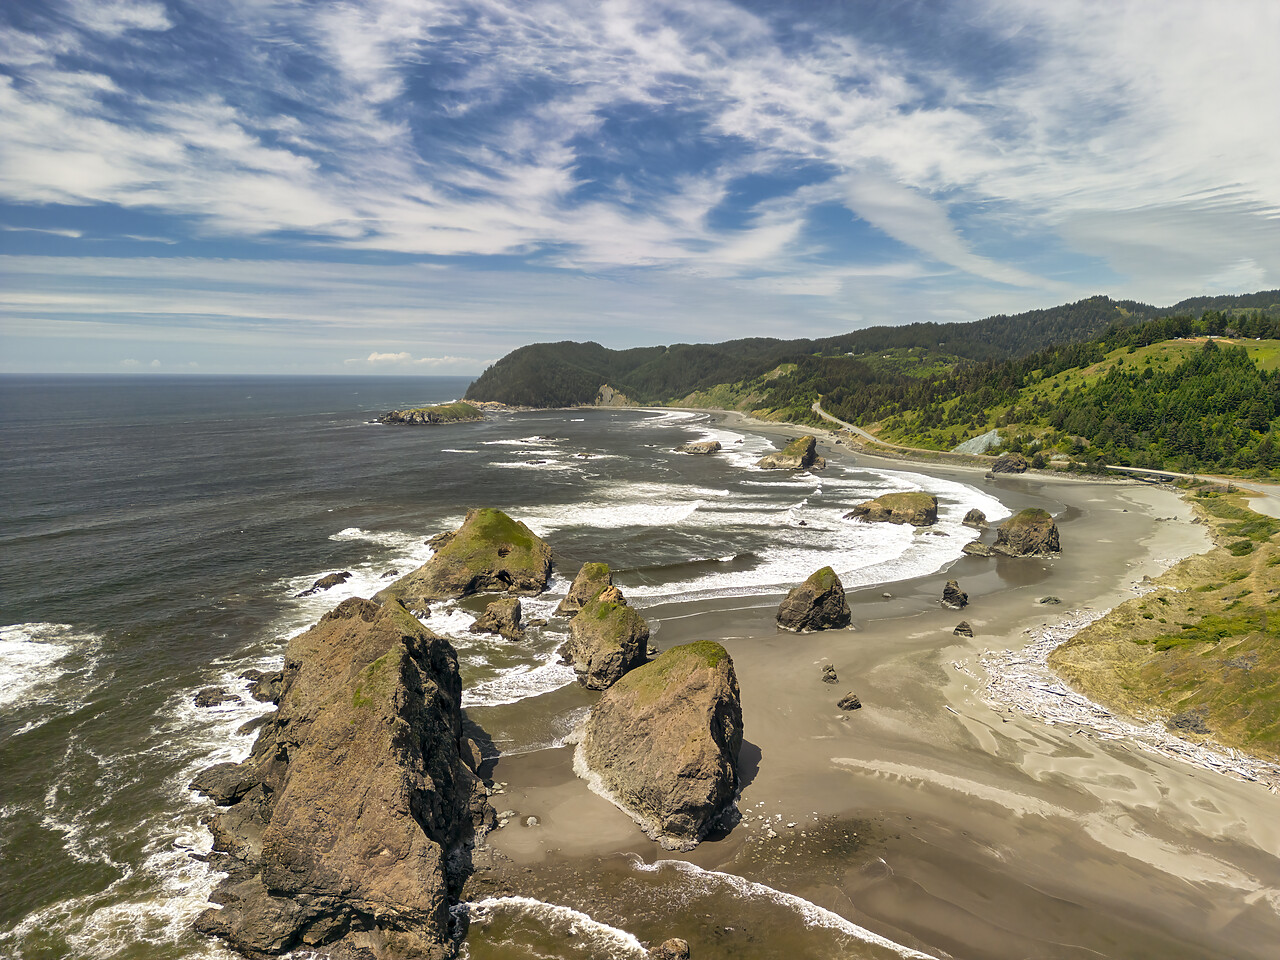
(932, 820)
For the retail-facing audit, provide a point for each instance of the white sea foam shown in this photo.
(590, 936)
(812, 914)
(35, 656)
(519, 683)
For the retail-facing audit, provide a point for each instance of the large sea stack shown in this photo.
(914, 507)
(664, 742)
(606, 639)
(347, 826)
(1028, 533)
(490, 552)
(817, 604)
(799, 454)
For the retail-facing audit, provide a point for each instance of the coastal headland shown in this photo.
(937, 816)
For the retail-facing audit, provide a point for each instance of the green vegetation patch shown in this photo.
(1215, 657)
(649, 680)
(824, 579)
(376, 681)
(487, 533)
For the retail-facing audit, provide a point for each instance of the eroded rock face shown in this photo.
(817, 604)
(953, 596)
(1028, 533)
(1010, 463)
(664, 742)
(587, 585)
(699, 447)
(344, 825)
(799, 454)
(850, 701)
(490, 552)
(606, 639)
(975, 518)
(501, 617)
(917, 509)
(977, 548)
(963, 629)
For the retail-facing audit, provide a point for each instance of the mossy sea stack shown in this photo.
(817, 604)
(339, 831)
(664, 742)
(442, 413)
(587, 585)
(1028, 533)
(914, 507)
(606, 639)
(490, 552)
(799, 454)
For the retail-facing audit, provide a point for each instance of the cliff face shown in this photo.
(355, 806)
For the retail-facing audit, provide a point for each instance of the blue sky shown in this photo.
(419, 186)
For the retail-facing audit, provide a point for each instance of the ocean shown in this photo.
(157, 532)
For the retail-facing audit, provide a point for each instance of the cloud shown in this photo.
(404, 358)
(1039, 145)
(129, 362)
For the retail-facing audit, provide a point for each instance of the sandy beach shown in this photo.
(934, 816)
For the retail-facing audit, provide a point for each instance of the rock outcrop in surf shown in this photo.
(975, 518)
(915, 507)
(348, 824)
(1028, 533)
(606, 639)
(591, 580)
(663, 742)
(501, 617)
(441, 413)
(799, 454)
(699, 447)
(490, 552)
(817, 604)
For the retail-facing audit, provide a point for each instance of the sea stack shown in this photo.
(1028, 533)
(916, 508)
(817, 604)
(953, 596)
(490, 552)
(590, 582)
(663, 743)
(799, 454)
(343, 829)
(606, 639)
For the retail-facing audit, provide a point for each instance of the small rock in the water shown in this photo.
(829, 674)
(953, 596)
(887, 596)
(212, 696)
(963, 629)
(850, 701)
(393, 572)
(536, 622)
(324, 583)
(532, 821)
(673, 949)
(1050, 600)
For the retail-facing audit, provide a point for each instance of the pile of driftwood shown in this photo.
(1020, 680)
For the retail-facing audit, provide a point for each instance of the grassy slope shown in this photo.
(1202, 651)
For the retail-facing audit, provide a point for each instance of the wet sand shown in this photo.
(929, 816)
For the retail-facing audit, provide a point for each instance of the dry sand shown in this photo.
(931, 816)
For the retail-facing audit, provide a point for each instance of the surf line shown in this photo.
(812, 914)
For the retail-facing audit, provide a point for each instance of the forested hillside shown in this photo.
(1087, 383)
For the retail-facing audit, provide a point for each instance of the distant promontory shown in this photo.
(441, 413)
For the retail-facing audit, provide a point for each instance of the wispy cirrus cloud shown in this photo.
(1030, 150)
